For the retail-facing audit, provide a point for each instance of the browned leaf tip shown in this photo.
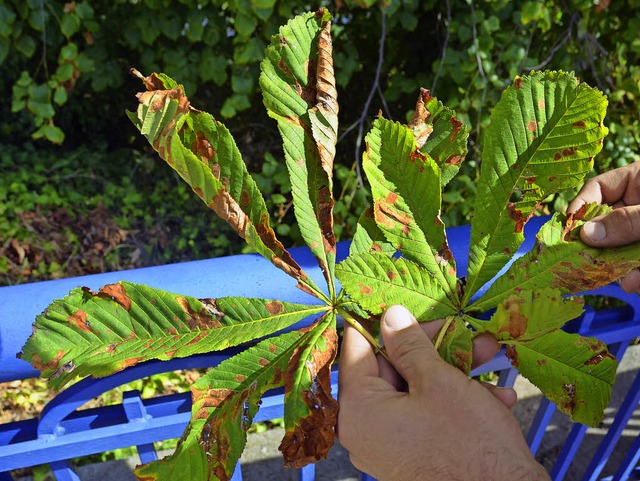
(152, 82)
(421, 130)
(311, 440)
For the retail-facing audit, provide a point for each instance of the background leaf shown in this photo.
(298, 90)
(551, 149)
(376, 281)
(225, 401)
(89, 333)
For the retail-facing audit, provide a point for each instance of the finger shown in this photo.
(407, 345)
(357, 360)
(485, 347)
(505, 395)
(617, 185)
(617, 228)
(389, 374)
(631, 282)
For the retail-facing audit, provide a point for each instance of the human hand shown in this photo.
(444, 426)
(621, 189)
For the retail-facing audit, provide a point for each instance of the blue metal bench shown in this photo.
(62, 432)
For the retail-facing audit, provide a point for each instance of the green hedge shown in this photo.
(64, 65)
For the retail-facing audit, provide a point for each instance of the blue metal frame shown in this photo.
(62, 432)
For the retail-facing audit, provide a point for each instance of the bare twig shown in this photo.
(558, 45)
(480, 68)
(445, 45)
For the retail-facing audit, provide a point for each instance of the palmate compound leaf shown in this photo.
(298, 88)
(543, 135)
(99, 333)
(376, 281)
(574, 372)
(225, 401)
(406, 190)
(561, 260)
(310, 411)
(202, 151)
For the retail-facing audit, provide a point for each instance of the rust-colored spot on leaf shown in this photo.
(200, 319)
(462, 360)
(456, 126)
(208, 399)
(454, 160)
(79, 319)
(506, 251)
(391, 198)
(517, 83)
(580, 123)
(532, 126)
(568, 403)
(388, 216)
(263, 362)
(552, 178)
(38, 363)
(274, 307)
(531, 180)
(273, 348)
(569, 151)
(366, 290)
(541, 104)
(116, 292)
(516, 326)
(391, 275)
(516, 216)
(541, 362)
(512, 355)
(598, 358)
(283, 41)
(132, 361)
(240, 378)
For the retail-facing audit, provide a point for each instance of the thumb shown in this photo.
(617, 228)
(409, 348)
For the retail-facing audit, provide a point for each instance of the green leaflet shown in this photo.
(549, 150)
(368, 236)
(225, 401)
(204, 154)
(455, 344)
(376, 281)
(531, 314)
(405, 185)
(298, 89)
(310, 411)
(439, 134)
(560, 260)
(89, 333)
(574, 372)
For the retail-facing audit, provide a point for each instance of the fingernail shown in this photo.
(397, 318)
(595, 231)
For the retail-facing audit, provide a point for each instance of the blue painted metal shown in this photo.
(539, 424)
(62, 430)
